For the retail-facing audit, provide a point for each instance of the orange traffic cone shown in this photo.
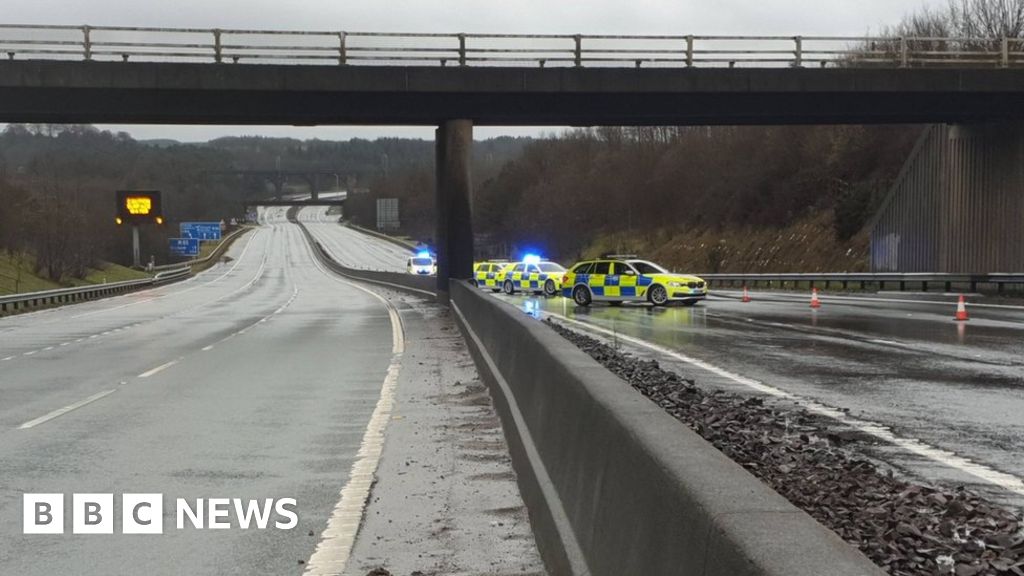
(815, 303)
(746, 295)
(961, 310)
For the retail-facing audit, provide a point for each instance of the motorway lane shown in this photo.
(350, 247)
(907, 366)
(258, 383)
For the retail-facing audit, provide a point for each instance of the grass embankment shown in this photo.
(807, 245)
(16, 275)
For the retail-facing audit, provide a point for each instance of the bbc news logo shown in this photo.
(143, 514)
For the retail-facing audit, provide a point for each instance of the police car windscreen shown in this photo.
(421, 262)
(550, 267)
(644, 267)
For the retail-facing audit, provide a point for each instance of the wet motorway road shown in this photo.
(905, 365)
(351, 247)
(254, 380)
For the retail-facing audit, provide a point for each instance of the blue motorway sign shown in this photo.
(184, 246)
(201, 230)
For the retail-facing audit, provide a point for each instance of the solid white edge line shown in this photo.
(946, 458)
(62, 411)
(335, 546)
(573, 550)
(159, 368)
(798, 297)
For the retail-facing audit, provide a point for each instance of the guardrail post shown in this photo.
(342, 54)
(799, 52)
(216, 46)
(87, 41)
(1005, 52)
(578, 52)
(462, 49)
(904, 53)
(689, 51)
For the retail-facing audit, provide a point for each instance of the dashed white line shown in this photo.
(48, 348)
(62, 411)
(159, 368)
(1005, 481)
(207, 348)
(31, 352)
(8, 358)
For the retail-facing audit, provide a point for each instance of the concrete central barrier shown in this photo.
(616, 486)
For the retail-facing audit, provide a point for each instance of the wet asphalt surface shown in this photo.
(905, 365)
(255, 379)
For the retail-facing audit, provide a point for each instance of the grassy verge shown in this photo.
(16, 275)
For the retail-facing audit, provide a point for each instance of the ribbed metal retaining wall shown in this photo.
(958, 204)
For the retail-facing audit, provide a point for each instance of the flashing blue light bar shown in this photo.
(423, 254)
(531, 259)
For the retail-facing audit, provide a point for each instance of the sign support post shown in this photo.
(136, 260)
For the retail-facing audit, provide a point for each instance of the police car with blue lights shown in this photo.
(625, 278)
(422, 264)
(533, 275)
(485, 274)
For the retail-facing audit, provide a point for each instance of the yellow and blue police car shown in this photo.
(617, 279)
(485, 274)
(534, 275)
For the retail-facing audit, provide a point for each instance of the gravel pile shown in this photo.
(905, 528)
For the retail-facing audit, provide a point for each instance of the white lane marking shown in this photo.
(886, 342)
(48, 348)
(335, 546)
(62, 411)
(31, 352)
(6, 359)
(179, 292)
(159, 368)
(944, 457)
(65, 343)
(802, 298)
(207, 348)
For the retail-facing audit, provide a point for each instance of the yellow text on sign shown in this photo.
(138, 204)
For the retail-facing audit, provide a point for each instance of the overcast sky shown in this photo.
(740, 17)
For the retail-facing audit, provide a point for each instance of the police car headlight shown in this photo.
(675, 284)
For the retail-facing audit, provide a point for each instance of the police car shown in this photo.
(422, 264)
(617, 279)
(485, 274)
(532, 275)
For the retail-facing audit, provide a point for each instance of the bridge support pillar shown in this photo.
(454, 235)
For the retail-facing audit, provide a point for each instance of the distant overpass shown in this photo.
(83, 74)
(313, 202)
(278, 178)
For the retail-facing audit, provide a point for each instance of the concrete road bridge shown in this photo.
(70, 74)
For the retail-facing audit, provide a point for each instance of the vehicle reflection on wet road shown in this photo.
(898, 362)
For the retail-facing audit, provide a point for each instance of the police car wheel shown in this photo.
(658, 295)
(581, 296)
(508, 288)
(549, 288)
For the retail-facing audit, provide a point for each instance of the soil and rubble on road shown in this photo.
(906, 528)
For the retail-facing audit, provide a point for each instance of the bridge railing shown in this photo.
(121, 43)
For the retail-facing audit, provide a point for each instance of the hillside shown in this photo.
(17, 276)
